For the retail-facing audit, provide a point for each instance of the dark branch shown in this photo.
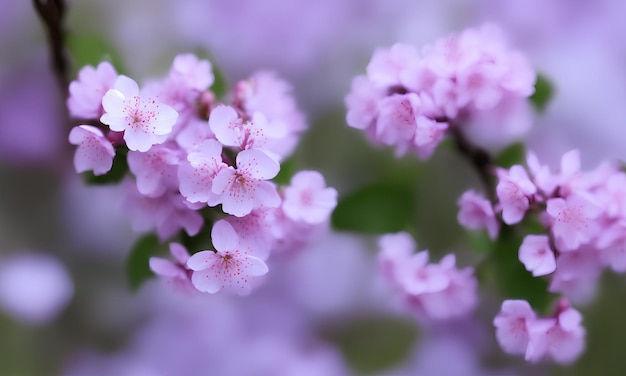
(52, 14)
(479, 158)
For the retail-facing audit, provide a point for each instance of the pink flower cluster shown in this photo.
(583, 212)
(560, 337)
(584, 215)
(430, 291)
(193, 157)
(410, 99)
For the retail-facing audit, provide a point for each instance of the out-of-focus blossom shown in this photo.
(34, 287)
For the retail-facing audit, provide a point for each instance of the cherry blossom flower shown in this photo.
(246, 188)
(167, 214)
(430, 291)
(175, 273)
(145, 122)
(537, 255)
(193, 72)
(228, 267)
(520, 331)
(308, 199)
(476, 212)
(512, 326)
(573, 220)
(265, 92)
(86, 92)
(395, 251)
(562, 338)
(514, 191)
(231, 130)
(362, 103)
(457, 299)
(34, 287)
(155, 170)
(197, 173)
(94, 153)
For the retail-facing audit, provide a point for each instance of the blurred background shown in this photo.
(65, 305)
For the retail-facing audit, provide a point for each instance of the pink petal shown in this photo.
(224, 123)
(224, 237)
(258, 164)
(164, 267)
(126, 86)
(206, 281)
(256, 266)
(202, 260)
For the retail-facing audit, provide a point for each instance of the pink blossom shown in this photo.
(514, 191)
(544, 180)
(573, 220)
(265, 92)
(362, 103)
(396, 251)
(512, 325)
(397, 118)
(34, 287)
(537, 255)
(431, 291)
(145, 122)
(197, 173)
(428, 134)
(155, 169)
(458, 299)
(387, 65)
(255, 231)
(167, 214)
(576, 273)
(94, 151)
(192, 72)
(86, 92)
(228, 267)
(246, 188)
(562, 338)
(308, 199)
(231, 130)
(175, 273)
(612, 245)
(419, 277)
(476, 212)
(193, 133)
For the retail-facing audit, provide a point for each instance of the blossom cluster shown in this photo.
(560, 337)
(583, 213)
(194, 159)
(410, 99)
(430, 291)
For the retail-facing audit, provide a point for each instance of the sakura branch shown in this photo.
(197, 167)
(473, 88)
(52, 13)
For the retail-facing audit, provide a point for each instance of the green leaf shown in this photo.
(91, 49)
(511, 276)
(376, 209)
(514, 154)
(374, 344)
(114, 176)
(480, 241)
(137, 266)
(543, 93)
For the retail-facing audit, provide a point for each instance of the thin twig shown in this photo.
(479, 158)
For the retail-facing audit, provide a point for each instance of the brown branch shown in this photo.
(52, 14)
(479, 158)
